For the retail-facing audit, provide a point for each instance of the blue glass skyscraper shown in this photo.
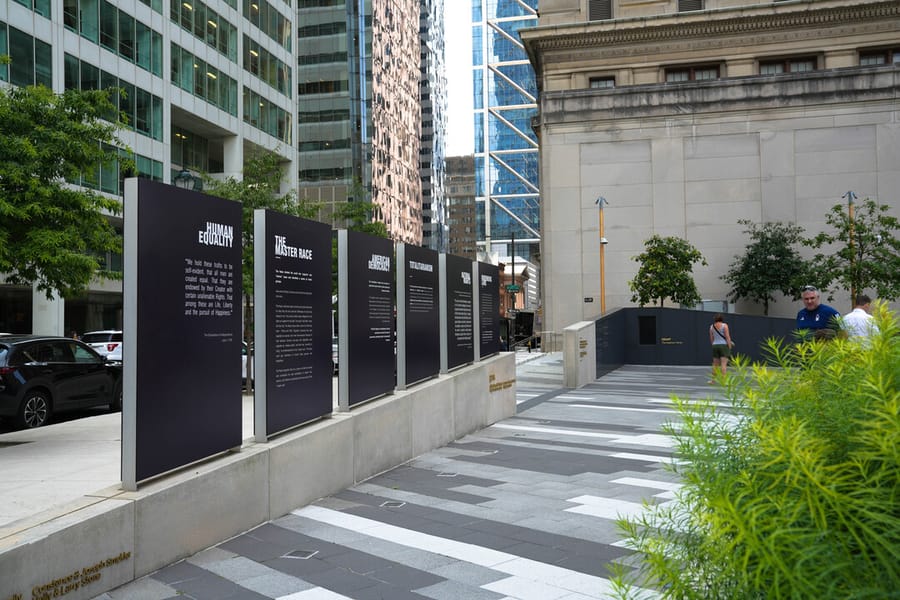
(506, 148)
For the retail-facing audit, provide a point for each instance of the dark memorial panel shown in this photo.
(371, 353)
(298, 320)
(488, 309)
(460, 328)
(423, 325)
(188, 365)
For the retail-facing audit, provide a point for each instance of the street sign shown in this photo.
(513, 288)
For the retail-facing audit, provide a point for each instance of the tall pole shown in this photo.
(512, 253)
(850, 196)
(601, 202)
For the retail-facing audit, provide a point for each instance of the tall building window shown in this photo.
(41, 7)
(695, 73)
(142, 109)
(206, 25)
(602, 82)
(689, 5)
(203, 80)
(266, 66)
(189, 150)
(116, 30)
(267, 116)
(599, 10)
(30, 59)
(269, 21)
(879, 57)
(789, 65)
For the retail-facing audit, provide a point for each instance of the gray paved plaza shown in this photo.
(524, 509)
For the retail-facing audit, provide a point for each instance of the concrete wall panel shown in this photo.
(501, 404)
(183, 514)
(468, 414)
(310, 463)
(382, 435)
(98, 540)
(431, 406)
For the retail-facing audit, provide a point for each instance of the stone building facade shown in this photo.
(687, 121)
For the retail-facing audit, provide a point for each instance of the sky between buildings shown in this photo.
(458, 58)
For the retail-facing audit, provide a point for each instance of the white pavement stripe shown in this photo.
(592, 434)
(525, 589)
(661, 411)
(605, 508)
(646, 439)
(689, 401)
(645, 457)
(503, 562)
(314, 594)
(648, 483)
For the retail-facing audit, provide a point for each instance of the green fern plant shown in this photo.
(794, 492)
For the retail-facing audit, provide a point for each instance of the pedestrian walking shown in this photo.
(720, 339)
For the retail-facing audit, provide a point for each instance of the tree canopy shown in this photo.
(53, 234)
(260, 187)
(862, 253)
(770, 263)
(665, 272)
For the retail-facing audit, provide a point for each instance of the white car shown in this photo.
(106, 343)
(244, 348)
(334, 354)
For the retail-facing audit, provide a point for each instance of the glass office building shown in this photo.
(360, 111)
(205, 84)
(433, 92)
(506, 149)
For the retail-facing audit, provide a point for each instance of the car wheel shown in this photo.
(34, 410)
(116, 404)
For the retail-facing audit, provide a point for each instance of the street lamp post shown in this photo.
(184, 180)
(850, 196)
(601, 202)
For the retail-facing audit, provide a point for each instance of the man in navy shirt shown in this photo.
(815, 318)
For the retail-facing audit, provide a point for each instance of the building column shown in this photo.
(233, 157)
(48, 316)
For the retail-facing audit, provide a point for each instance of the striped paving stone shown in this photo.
(524, 509)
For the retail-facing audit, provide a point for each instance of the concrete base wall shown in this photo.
(105, 540)
(580, 354)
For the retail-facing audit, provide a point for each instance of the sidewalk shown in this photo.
(46, 468)
(524, 509)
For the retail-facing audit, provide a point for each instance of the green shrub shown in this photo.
(793, 491)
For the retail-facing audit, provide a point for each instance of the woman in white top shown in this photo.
(720, 338)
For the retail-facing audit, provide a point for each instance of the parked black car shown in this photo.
(41, 375)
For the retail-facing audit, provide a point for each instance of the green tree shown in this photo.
(357, 212)
(52, 234)
(665, 272)
(789, 491)
(770, 263)
(862, 253)
(358, 216)
(260, 187)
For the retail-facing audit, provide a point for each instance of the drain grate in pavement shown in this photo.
(301, 554)
(447, 474)
(392, 504)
